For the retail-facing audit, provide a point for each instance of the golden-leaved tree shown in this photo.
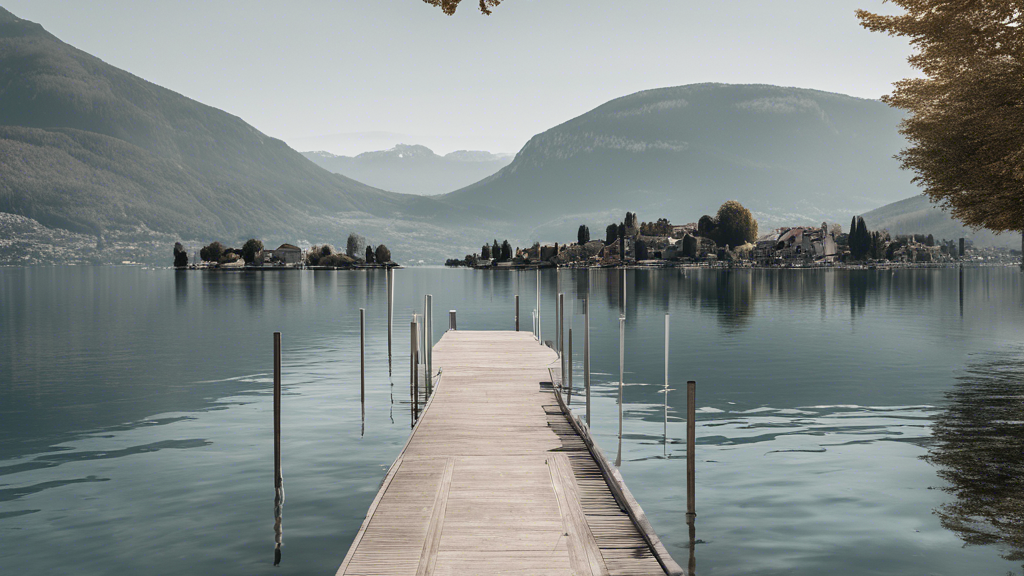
(966, 115)
(449, 6)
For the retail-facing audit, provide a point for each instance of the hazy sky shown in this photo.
(349, 76)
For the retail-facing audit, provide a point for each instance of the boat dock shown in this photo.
(498, 477)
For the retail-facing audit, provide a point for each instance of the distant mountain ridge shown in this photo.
(791, 155)
(87, 147)
(414, 169)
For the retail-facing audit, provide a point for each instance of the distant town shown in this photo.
(731, 239)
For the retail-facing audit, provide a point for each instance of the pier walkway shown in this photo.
(497, 478)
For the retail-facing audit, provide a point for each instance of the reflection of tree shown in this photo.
(731, 294)
(979, 450)
(858, 287)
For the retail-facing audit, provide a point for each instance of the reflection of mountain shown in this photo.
(979, 451)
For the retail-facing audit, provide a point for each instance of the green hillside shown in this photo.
(88, 147)
(791, 155)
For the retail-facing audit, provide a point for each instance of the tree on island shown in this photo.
(583, 235)
(631, 225)
(733, 226)
(369, 255)
(449, 6)
(354, 246)
(506, 251)
(485, 252)
(706, 226)
(860, 238)
(211, 252)
(660, 228)
(383, 255)
(180, 256)
(611, 233)
(250, 249)
(496, 250)
(966, 145)
(879, 242)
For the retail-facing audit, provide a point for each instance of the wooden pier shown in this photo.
(497, 478)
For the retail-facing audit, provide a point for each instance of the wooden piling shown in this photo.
(277, 411)
(691, 457)
(558, 339)
(451, 319)
(362, 355)
(517, 312)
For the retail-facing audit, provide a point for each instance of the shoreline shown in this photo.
(690, 266)
(284, 268)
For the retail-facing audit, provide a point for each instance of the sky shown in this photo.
(347, 76)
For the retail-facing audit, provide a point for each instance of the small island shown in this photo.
(254, 256)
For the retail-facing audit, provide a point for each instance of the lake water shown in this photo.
(849, 422)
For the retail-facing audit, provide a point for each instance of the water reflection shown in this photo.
(278, 522)
(691, 565)
(960, 291)
(181, 287)
(979, 443)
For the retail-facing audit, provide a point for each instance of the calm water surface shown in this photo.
(849, 422)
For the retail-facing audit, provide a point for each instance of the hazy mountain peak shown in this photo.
(406, 151)
(414, 168)
(477, 156)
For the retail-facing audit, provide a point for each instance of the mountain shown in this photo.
(414, 169)
(791, 155)
(917, 215)
(92, 149)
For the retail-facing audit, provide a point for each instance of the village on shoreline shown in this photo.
(731, 240)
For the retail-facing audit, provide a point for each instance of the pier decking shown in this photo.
(497, 479)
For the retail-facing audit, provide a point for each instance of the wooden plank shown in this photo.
(433, 540)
